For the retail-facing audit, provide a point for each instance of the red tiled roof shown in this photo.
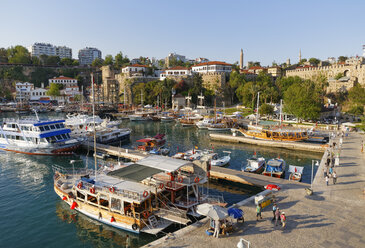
(136, 65)
(256, 68)
(212, 63)
(62, 77)
(177, 68)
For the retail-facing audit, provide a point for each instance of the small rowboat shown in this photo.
(295, 173)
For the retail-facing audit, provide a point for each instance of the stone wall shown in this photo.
(213, 81)
(357, 71)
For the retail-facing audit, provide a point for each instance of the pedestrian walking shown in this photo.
(277, 216)
(334, 177)
(258, 212)
(274, 207)
(327, 179)
(341, 140)
(216, 229)
(362, 146)
(283, 220)
(331, 171)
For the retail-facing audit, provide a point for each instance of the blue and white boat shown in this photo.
(36, 137)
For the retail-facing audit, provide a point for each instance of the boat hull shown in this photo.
(257, 171)
(276, 174)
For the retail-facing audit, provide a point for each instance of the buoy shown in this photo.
(169, 184)
(112, 189)
(180, 179)
(64, 198)
(112, 219)
(92, 190)
(74, 205)
(145, 193)
(161, 186)
(196, 180)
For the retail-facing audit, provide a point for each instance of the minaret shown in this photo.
(288, 62)
(241, 60)
(300, 55)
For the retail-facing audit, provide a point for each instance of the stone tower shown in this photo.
(300, 55)
(241, 60)
(288, 62)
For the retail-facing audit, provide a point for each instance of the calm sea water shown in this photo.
(32, 215)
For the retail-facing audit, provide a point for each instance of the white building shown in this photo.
(134, 69)
(88, 55)
(135, 61)
(39, 94)
(212, 67)
(178, 71)
(38, 49)
(63, 80)
(63, 52)
(23, 91)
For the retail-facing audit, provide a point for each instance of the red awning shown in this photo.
(144, 140)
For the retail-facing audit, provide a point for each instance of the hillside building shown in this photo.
(88, 55)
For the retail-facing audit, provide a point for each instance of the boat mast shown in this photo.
(257, 109)
(142, 98)
(93, 104)
(281, 111)
(82, 98)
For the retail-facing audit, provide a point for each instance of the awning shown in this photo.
(144, 140)
(134, 172)
(166, 164)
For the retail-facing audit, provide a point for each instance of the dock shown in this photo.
(131, 154)
(302, 146)
(333, 216)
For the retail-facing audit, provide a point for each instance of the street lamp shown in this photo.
(316, 163)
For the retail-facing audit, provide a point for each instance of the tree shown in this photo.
(66, 61)
(356, 110)
(303, 100)
(235, 80)
(302, 61)
(18, 55)
(75, 62)
(97, 62)
(284, 83)
(342, 58)
(314, 61)
(3, 55)
(356, 95)
(266, 109)
(247, 93)
(120, 60)
(41, 74)
(54, 90)
(338, 76)
(251, 64)
(53, 60)
(77, 98)
(108, 60)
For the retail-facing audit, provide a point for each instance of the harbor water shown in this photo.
(34, 216)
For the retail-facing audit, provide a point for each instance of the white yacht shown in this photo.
(36, 137)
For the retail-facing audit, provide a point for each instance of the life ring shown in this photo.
(79, 185)
(145, 193)
(112, 189)
(169, 184)
(180, 179)
(92, 190)
(146, 214)
(161, 186)
(196, 180)
(134, 227)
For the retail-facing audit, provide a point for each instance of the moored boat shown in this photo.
(296, 173)
(275, 167)
(37, 137)
(276, 134)
(255, 165)
(221, 161)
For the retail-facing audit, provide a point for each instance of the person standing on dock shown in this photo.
(216, 229)
(283, 219)
(258, 212)
(277, 216)
(274, 207)
(362, 146)
(327, 179)
(334, 177)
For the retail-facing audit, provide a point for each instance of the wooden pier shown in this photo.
(133, 155)
(302, 146)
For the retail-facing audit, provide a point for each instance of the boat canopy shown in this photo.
(294, 169)
(274, 165)
(165, 164)
(134, 172)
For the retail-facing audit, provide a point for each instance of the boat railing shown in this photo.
(167, 209)
(71, 171)
(215, 199)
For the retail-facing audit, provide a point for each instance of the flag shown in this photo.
(295, 169)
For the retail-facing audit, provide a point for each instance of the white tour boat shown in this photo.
(36, 137)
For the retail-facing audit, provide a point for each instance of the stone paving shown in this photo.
(334, 216)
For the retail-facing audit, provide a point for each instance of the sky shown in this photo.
(267, 31)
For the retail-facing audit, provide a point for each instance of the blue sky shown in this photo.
(267, 30)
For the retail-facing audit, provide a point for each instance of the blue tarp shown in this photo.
(274, 168)
(44, 101)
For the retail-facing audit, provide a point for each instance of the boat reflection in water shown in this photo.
(99, 235)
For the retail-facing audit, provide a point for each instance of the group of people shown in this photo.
(220, 227)
(331, 161)
(278, 215)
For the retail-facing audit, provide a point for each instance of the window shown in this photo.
(57, 126)
(64, 136)
(62, 126)
(52, 126)
(41, 128)
(59, 137)
(46, 128)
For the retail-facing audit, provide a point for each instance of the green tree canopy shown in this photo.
(338, 76)
(66, 61)
(342, 58)
(54, 89)
(266, 109)
(314, 61)
(18, 55)
(109, 60)
(97, 62)
(75, 62)
(120, 60)
(357, 95)
(247, 94)
(3, 55)
(303, 100)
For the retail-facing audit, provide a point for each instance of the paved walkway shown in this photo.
(333, 217)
